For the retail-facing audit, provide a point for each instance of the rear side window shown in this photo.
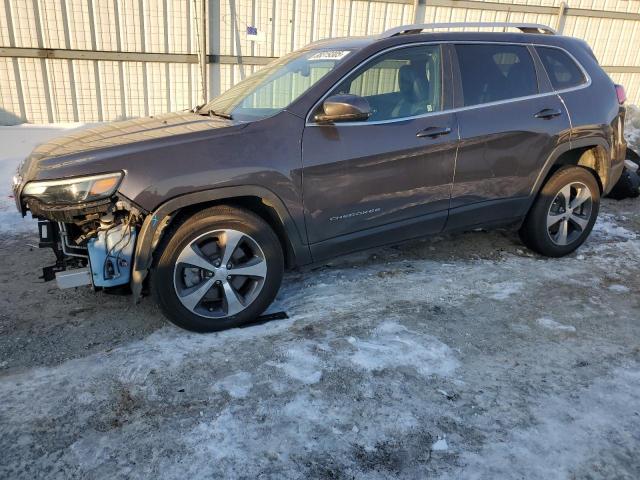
(491, 73)
(563, 71)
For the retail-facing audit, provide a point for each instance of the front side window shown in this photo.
(401, 83)
(276, 86)
(490, 73)
(563, 71)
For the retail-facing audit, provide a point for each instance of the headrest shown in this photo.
(413, 84)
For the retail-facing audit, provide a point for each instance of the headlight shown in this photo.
(74, 190)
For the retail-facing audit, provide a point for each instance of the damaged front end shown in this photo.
(91, 229)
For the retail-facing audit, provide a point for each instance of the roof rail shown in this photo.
(419, 27)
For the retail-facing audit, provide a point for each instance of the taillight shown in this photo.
(622, 95)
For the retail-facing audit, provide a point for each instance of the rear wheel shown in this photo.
(563, 214)
(220, 268)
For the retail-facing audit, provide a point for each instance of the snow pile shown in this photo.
(17, 143)
(551, 324)
(393, 345)
(632, 127)
(608, 229)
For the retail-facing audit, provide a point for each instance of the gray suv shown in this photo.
(343, 145)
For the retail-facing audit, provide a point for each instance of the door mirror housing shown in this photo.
(344, 108)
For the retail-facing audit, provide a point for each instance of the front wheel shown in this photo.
(563, 215)
(220, 268)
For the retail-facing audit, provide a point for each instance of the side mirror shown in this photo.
(344, 108)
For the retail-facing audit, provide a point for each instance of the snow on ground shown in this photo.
(460, 356)
(17, 142)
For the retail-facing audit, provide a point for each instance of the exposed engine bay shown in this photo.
(93, 244)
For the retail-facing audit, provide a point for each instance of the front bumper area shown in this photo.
(105, 261)
(97, 237)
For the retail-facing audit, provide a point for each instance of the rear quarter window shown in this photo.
(561, 68)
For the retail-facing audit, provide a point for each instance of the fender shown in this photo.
(144, 246)
(565, 147)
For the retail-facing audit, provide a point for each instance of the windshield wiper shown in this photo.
(213, 113)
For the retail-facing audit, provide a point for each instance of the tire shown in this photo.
(552, 230)
(628, 186)
(192, 286)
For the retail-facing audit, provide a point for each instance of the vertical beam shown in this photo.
(333, 19)
(143, 48)
(167, 69)
(368, 24)
(203, 48)
(313, 21)
(254, 24)
(274, 29)
(215, 72)
(96, 64)
(562, 17)
(189, 48)
(293, 26)
(16, 64)
(72, 77)
(43, 62)
(236, 33)
(419, 11)
(123, 102)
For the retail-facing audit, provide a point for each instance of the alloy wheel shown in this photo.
(569, 213)
(220, 273)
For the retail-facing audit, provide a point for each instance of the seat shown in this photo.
(414, 92)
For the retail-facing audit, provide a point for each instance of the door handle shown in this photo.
(433, 132)
(548, 113)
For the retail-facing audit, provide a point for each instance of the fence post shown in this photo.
(419, 9)
(562, 10)
(203, 48)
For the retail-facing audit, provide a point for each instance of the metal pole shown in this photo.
(419, 9)
(203, 49)
(562, 11)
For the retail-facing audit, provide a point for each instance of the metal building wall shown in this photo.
(92, 60)
(38, 84)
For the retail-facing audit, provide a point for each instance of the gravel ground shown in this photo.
(453, 357)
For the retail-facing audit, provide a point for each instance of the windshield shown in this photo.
(276, 86)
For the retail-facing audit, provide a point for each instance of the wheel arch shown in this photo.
(256, 199)
(590, 153)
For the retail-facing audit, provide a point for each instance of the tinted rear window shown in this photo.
(563, 71)
(495, 72)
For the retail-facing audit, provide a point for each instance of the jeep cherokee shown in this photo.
(343, 145)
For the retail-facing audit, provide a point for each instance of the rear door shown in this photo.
(509, 122)
(365, 182)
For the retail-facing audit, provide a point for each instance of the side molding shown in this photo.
(144, 247)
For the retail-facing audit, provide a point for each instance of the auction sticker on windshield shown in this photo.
(330, 55)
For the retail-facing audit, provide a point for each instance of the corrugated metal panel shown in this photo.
(92, 90)
(106, 89)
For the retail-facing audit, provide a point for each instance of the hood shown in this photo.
(70, 155)
(101, 140)
(115, 134)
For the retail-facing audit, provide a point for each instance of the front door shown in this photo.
(392, 173)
